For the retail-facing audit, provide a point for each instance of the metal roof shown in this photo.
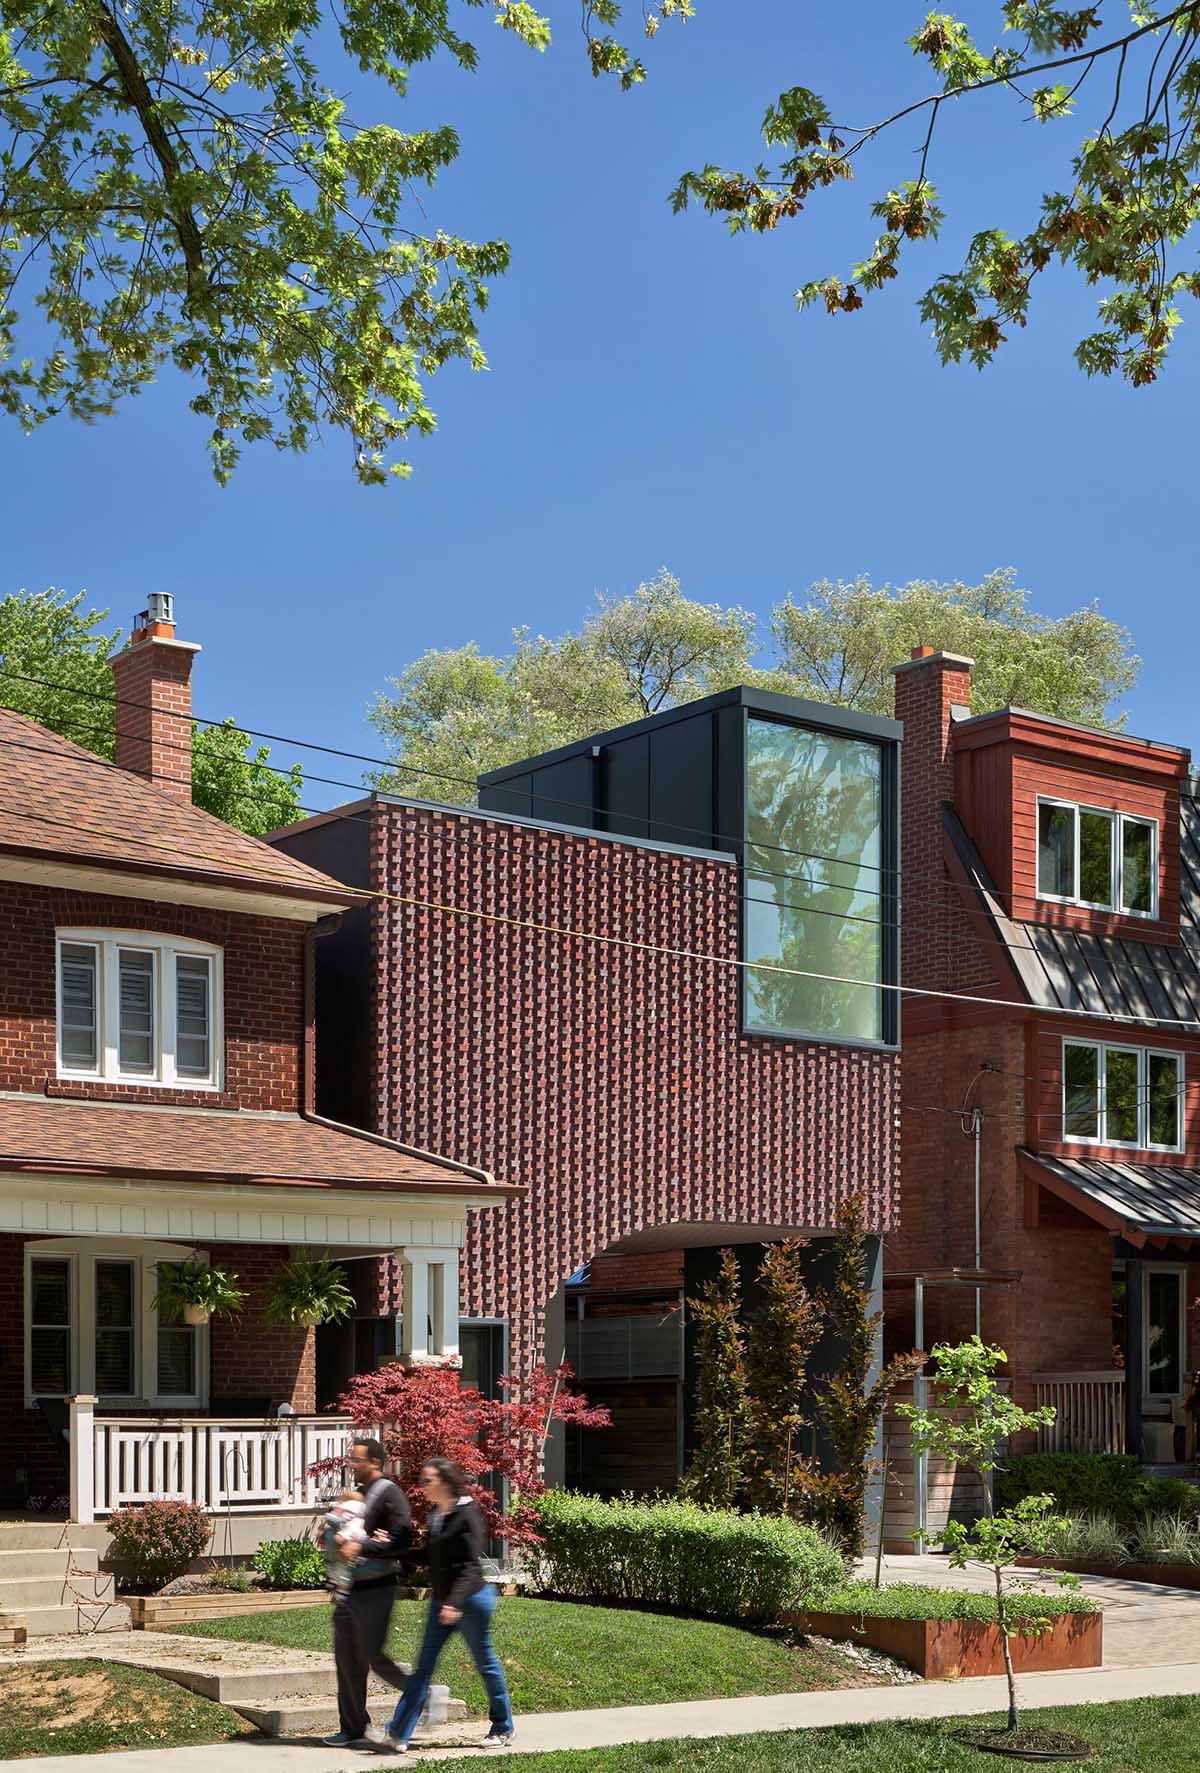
(1069, 969)
(1139, 1200)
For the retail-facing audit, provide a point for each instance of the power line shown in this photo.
(661, 950)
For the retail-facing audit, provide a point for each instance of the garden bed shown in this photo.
(1166, 1575)
(152, 1612)
(948, 1634)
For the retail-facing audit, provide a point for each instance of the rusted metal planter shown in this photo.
(952, 1649)
(1164, 1575)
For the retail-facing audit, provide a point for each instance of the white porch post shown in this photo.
(81, 1451)
(429, 1315)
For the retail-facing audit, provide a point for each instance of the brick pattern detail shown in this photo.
(634, 1274)
(926, 690)
(614, 1083)
(264, 994)
(250, 1357)
(153, 681)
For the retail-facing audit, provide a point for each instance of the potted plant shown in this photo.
(195, 1292)
(308, 1291)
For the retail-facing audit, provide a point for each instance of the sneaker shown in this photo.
(498, 1737)
(342, 1739)
(380, 1738)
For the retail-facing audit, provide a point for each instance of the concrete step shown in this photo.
(34, 1535)
(49, 1621)
(317, 1715)
(44, 1561)
(20, 1593)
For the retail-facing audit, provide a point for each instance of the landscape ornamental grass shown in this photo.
(679, 1554)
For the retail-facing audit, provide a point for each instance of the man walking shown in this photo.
(363, 1612)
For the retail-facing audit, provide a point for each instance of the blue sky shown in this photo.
(653, 399)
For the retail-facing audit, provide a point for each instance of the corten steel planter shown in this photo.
(1164, 1575)
(952, 1649)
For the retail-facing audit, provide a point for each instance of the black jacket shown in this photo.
(456, 1542)
(387, 1507)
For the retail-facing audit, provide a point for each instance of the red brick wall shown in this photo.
(926, 690)
(251, 1358)
(154, 713)
(632, 1274)
(614, 1083)
(264, 994)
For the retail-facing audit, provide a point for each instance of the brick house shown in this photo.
(156, 1102)
(623, 983)
(1051, 869)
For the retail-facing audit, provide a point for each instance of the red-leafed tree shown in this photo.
(428, 1411)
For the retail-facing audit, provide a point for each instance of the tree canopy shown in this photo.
(455, 713)
(1117, 215)
(182, 181)
(54, 655)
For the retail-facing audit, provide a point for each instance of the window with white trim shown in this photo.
(1165, 1311)
(1115, 1095)
(91, 1325)
(139, 1008)
(1096, 857)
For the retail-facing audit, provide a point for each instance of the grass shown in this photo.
(909, 1600)
(1133, 1737)
(64, 1708)
(565, 1656)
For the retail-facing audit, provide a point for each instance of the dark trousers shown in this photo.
(360, 1628)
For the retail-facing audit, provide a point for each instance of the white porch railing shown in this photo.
(220, 1462)
(1090, 1412)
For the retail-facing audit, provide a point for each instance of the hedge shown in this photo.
(910, 1600)
(1089, 1483)
(680, 1554)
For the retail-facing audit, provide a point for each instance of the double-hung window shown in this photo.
(1092, 856)
(139, 1008)
(1117, 1095)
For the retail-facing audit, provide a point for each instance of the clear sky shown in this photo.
(654, 399)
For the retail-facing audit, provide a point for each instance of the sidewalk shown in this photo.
(656, 1723)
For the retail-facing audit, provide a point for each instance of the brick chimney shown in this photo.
(152, 675)
(930, 688)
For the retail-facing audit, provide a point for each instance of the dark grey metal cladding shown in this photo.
(1158, 1199)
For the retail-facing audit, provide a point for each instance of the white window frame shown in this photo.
(166, 951)
(1118, 821)
(83, 1254)
(1180, 1277)
(1144, 1055)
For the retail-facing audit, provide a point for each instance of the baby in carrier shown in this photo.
(344, 1521)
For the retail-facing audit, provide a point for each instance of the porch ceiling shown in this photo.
(1142, 1202)
(702, 1236)
(155, 1144)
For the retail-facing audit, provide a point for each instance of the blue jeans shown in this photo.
(476, 1627)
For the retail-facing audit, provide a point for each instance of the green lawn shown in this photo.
(562, 1656)
(1139, 1736)
(63, 1708)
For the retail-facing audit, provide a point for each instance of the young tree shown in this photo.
(780, 1337)
(1118, 217)
(968, 1421)
(715, 1474)
(184, 183)
(851, 1406)
(428, 1411)
(54, 668)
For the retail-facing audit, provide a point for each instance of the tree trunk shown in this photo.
(1002, 1623)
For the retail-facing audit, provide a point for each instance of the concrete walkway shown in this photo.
(658, 1723)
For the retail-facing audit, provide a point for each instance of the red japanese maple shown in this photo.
(425, 1411)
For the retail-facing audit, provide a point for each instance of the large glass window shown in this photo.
(175, 1352)
(1164, 1332)
(77, 971)
(139, 1008)
(1122, 1095)
(136, 1043)
(1091, 856)
(815, 900)
(50, 1328)
(193, 1020)
(115, 1296)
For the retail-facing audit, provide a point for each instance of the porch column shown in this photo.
(1135, 1351)
(81, 1452)
(429, 1315)
(874, 1497)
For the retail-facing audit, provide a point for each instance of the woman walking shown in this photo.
(462, 1600)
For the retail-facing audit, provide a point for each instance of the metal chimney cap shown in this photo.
(160, 606)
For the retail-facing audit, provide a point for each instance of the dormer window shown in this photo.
(1093, 856)
(139, 1008)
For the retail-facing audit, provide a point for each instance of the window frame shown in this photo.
(165, 952)
(82, 1255)
(1179, 1276)
(1118, 820)
(1144, 1055)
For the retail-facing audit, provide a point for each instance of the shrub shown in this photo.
(1084, 1483)
(1167, 1539)
(159, 1540)
(910, 1600)
(290, 1563)
(225, 1579)
(1096, 1538)
(676, 1553)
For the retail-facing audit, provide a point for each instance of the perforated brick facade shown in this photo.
(612, 1080)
